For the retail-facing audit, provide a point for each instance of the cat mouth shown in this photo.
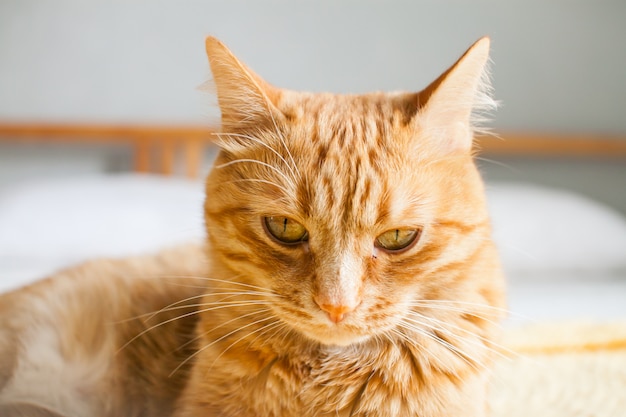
(335, 335)
(326, 331)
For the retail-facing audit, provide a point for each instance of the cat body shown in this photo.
(66, 343)
(349, 269)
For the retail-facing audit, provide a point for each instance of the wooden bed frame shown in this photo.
(146, 141)
(167, 141)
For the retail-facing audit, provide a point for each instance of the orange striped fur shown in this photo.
(347, 168)
(349, 271)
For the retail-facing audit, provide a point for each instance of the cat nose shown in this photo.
(336, 312)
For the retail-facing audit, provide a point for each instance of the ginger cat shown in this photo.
(349, 271)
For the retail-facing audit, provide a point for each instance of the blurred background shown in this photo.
(559, 69)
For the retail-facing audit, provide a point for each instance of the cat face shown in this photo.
(351, 211)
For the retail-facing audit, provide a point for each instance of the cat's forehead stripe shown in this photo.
(348, 141)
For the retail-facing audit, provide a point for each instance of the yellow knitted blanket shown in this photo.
(562, 370)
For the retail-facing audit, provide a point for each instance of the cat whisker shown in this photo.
(262, 143)
(236, 293)
(289, 332)
(217, 305)
(177, 303)
(510, 354)
(273, 168)
(220, 306)
(445, 327)
(173, 306)
(260, 180)
(401, 335)
(407, 340)
(411, 327)
(223, 324)
(282, 141)
(224, 281)
(255, 312)
(410, 342)
(468, 303)
(420, 327)
(219, 339)
(278, 326)
(499, 350)
(256, 290)
(483, 306)
(221, 302)
(261, 331)
(450, 157)
(455, 309)
(196, 277)
(498, 163)
(404, 337)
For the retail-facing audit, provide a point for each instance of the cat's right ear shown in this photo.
(451, 107)
(245, 99)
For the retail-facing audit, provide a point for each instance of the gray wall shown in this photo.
(559, 65)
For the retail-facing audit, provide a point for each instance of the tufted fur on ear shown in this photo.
(245, 99)
(452, 107)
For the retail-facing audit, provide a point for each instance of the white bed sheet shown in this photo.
(48, 225)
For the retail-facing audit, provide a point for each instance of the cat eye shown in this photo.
(397, 240)
(285, 230)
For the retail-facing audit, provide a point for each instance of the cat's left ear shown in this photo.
(449, 106)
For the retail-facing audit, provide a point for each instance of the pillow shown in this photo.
(47, 225)
(539, 229)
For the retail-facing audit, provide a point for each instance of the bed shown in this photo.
(564, 254)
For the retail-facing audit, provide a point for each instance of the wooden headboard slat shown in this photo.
(556, 145)
(121, 132)
(146, 140)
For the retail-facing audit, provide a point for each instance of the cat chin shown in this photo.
(335, 337)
